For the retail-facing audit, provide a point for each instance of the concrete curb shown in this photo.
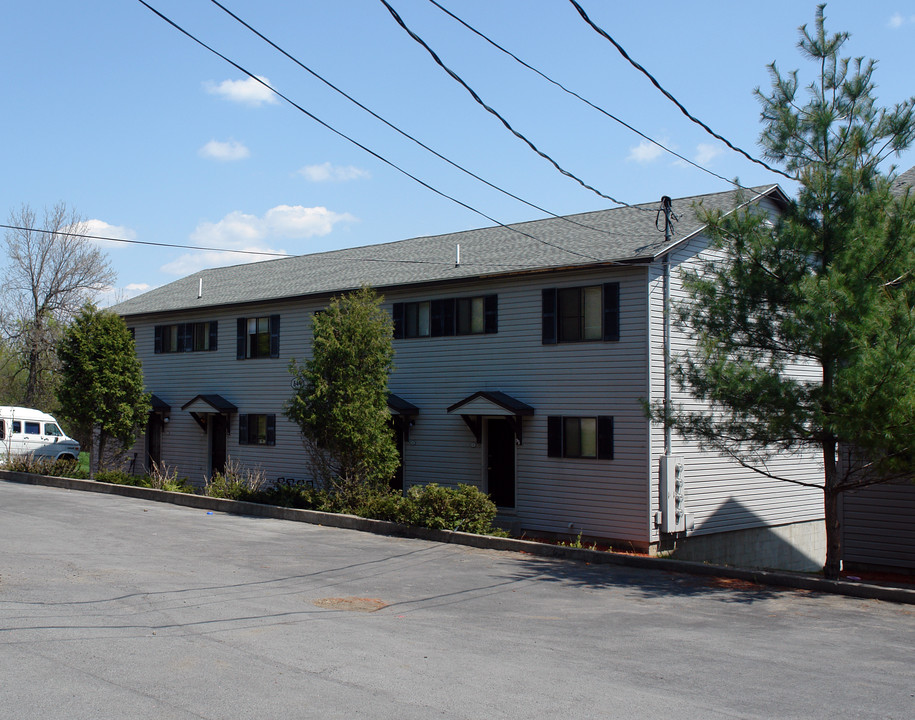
(795, 581)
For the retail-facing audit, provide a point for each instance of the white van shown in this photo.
(24, 431)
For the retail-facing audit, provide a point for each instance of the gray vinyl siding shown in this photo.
(878, 525)
(720, 494)
(605, 498)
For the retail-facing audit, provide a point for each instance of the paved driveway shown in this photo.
(119, 608)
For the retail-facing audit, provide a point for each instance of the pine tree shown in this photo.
(830, 283)
(101, 379)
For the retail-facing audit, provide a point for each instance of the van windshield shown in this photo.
(52, 429)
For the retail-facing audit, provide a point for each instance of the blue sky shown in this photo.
(152, 138)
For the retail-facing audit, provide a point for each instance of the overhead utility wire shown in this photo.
(490, 110)
(603, 33)
(583, 99)
(139, 242)
(352, 140)
(405, 134)
(247, 252)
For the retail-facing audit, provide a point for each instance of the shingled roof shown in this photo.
(904, 182)
(620, 235)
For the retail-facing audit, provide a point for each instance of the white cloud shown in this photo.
(706, 152)
(226, 151)
(898, 20)
(326, 172)
(100, 228)
(644, 152)
(113, 295)
(248, 91)
(242, 231)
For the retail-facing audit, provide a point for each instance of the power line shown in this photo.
(583, 99)
(286, 256)
(352, 140)
(141, 242)
(405, 134)
(603, 33)
(493, 112)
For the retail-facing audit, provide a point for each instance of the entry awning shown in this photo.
(402, 414)
(203, 405)
(491, 403)
(158, 404)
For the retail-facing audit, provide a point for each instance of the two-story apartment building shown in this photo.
(524, 357)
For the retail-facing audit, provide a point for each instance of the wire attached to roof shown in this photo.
(457, 78)
(583, 99)
(352, 140)
(603, 33)
(403, 133)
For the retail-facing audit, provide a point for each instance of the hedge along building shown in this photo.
(523, 357)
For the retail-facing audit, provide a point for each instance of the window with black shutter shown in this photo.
(475, 315)
(580, 437)
(256, 429)
(581, 314)
(257, 337)
(185, 337)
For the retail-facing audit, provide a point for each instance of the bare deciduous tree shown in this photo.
(52, 272)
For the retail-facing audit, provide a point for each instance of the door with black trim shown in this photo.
(154, 441)
(218, 430)
(500, 462)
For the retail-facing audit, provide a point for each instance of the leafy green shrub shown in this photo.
(162, 477)
(119, 477)
(44, 466)
(236, 482)
(464, 508)
(292, 494)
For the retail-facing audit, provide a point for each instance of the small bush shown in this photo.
(119, 477)
(236, 482)
(44, 466)
(162, 477)
(464, 508)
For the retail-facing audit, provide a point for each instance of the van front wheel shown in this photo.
(66, 458)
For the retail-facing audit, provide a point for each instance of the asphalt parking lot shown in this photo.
(113, 607)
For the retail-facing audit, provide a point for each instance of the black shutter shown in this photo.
(549, 316)
(271, 429)
(449, 311)
(157, 339)
(186, 337)
(242, 429)
(274, 336)
(612, 311)
(214, 334)
(436, 318)
(241, 339)
(491, 313)
(605, 437)
(554, 436)
(397, 315)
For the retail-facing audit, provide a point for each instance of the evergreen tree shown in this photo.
(101, 383)
(341, 395)
(828, 284)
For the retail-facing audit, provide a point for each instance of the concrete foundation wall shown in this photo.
(799, 546)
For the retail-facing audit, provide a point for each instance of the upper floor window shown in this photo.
(186, 337)
(579, 314)
(477, 315)
(258, 337)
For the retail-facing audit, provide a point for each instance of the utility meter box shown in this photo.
(673, 512)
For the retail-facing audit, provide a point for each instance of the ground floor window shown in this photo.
(256, 429)
(580, 437)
